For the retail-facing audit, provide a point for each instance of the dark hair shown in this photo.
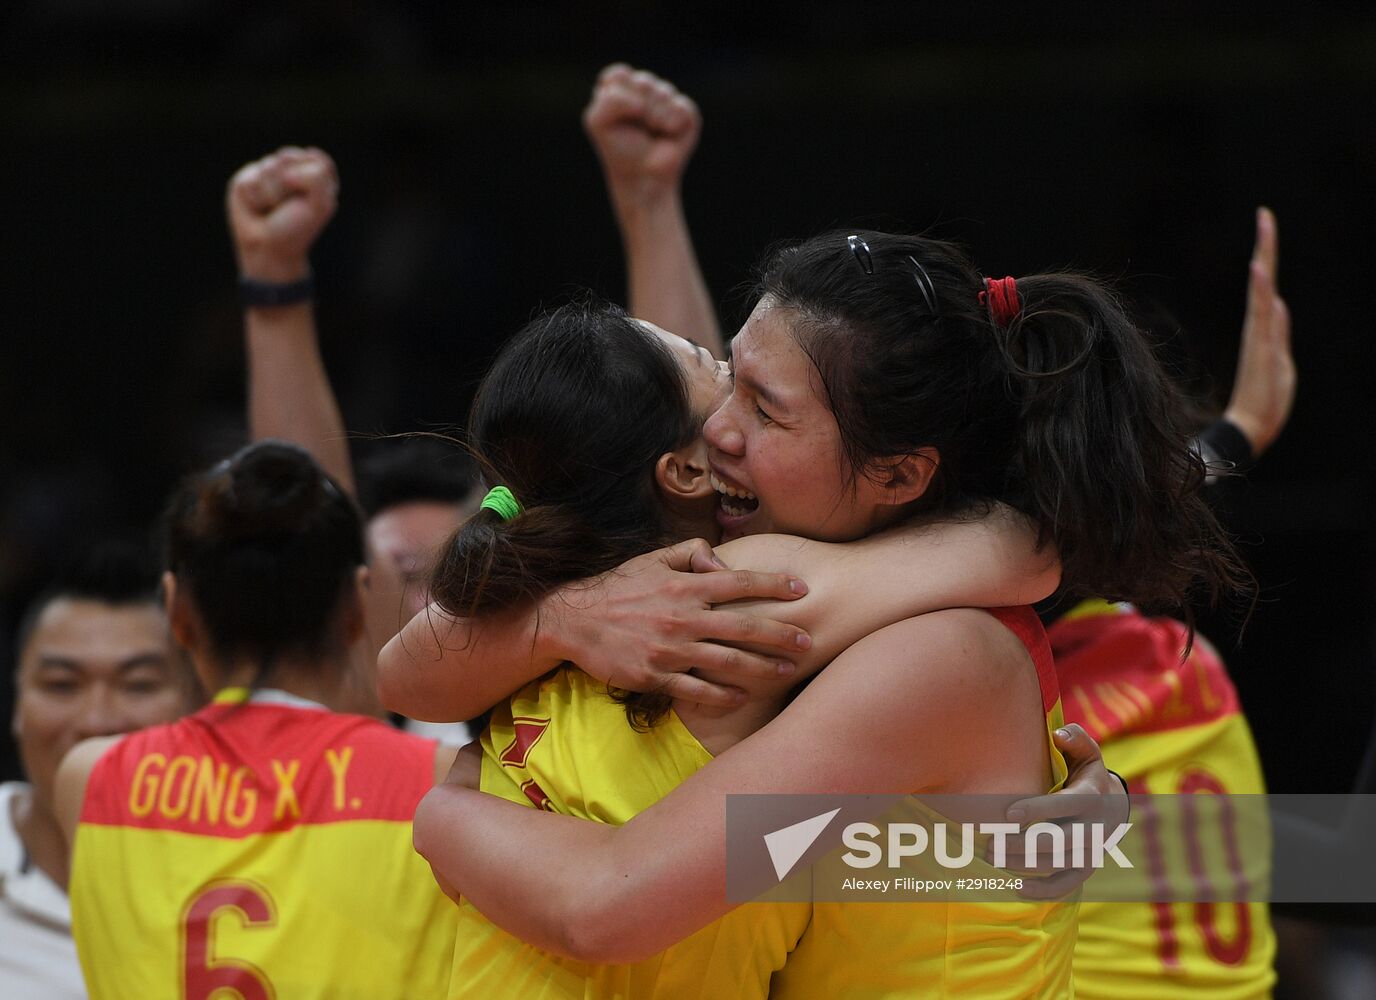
(1064, 413)
(267, 545)
(572, 417)
(415, 470)
(115, 571)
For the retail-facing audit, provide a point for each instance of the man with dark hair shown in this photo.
(95, 658)
(414, 494)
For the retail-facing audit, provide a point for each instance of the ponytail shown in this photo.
(571, 418)
(491, 564)
(267, 546)
(1103, 462)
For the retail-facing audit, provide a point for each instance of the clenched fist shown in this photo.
(643, 129)
(277, 207)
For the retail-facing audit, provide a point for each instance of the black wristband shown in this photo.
(1225, 448)
(1124, 782)
(254, 293)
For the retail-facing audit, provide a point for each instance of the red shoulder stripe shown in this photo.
(1023, 622)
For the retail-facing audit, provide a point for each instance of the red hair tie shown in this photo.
(1001, 295)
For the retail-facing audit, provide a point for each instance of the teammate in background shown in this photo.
(262, 845)
(413, 495)
(1175, 726)
(95, 658)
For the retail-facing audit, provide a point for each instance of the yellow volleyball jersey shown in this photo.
(259, 850)
(1168, 727)
(562, 744)
(988, 950)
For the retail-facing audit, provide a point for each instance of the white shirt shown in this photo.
(454, 734)
(37, 955)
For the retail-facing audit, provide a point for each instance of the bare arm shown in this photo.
(72, 775)
(628, 634)
(855, 588)
(645, 132)
(439, 668)
(277, 207)
(637, 627)
(1264, 386)
(595, 892)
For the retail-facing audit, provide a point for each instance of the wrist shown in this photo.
(553, 643)
(1233, 439)
(1127, 791)
(1250, 427)
(652, 226)
(257, 294)
(640, 199)
(274, 269)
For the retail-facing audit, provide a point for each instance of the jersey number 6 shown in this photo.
(206, 975)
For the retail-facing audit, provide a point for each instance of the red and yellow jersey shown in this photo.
(562, 744)
(259, 849)
(1168, 726)
(946, 949)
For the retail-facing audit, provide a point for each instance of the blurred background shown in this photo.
(1132, 140)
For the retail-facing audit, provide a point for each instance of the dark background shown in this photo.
(1134, 142)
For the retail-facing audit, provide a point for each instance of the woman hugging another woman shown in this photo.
(890, 406)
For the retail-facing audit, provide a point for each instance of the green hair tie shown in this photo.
(499, 498)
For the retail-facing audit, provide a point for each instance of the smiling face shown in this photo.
(92, 669)
(775, 447)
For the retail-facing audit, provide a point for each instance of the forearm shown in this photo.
(665, 283)
(560, 883)
(444, 669)
(277, 207)
(289, 392)
(597, 892)
(1226, 446)
(857, 588)
(989, 562)
(514, 879)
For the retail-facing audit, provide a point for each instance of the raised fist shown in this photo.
(643, 129)
(277, 207)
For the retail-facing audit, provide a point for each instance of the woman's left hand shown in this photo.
(1091, 794)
